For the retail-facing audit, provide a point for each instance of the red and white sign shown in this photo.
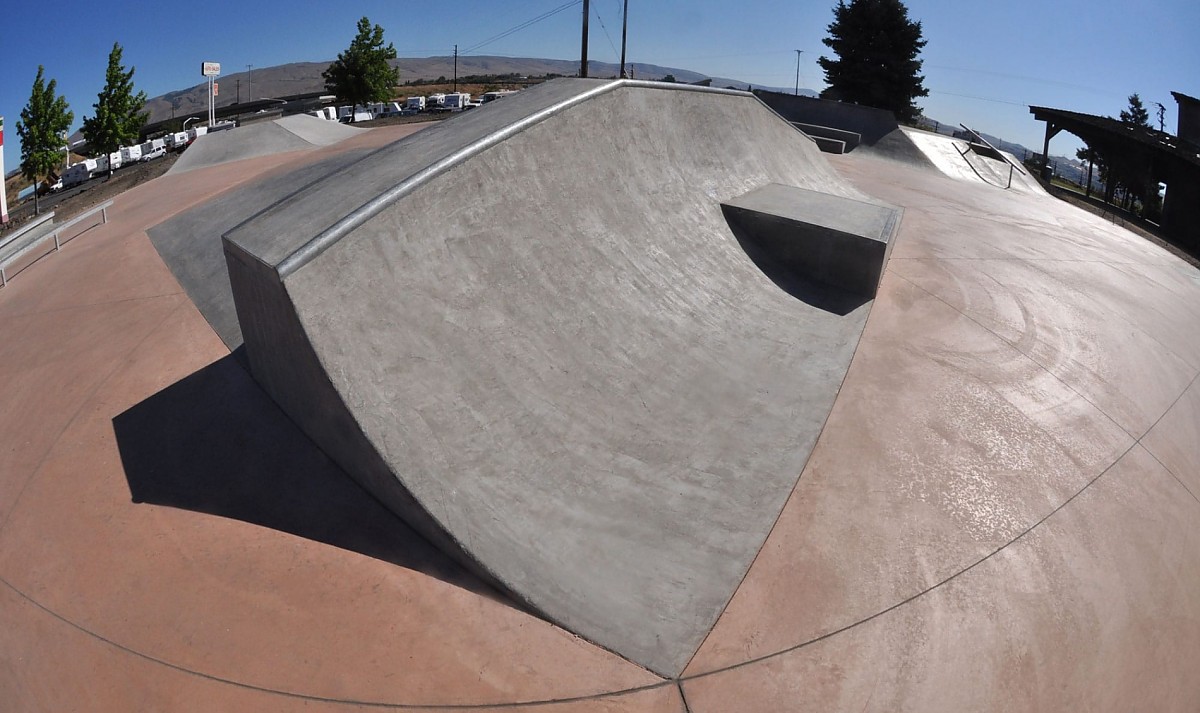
(210, 69)
(216, 88)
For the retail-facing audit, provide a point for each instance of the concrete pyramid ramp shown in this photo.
(531, 332)
(291, 133)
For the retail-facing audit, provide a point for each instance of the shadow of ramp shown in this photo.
(215, 443)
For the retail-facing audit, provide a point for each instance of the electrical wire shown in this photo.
(544, 16)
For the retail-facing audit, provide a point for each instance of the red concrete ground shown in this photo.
(999, 514)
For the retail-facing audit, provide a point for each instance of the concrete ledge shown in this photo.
(833, 240)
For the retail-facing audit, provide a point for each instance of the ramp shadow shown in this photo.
(811, 292)
(215, 443)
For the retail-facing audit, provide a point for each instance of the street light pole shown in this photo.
(249, 83)
(583, 68)
(624, 32)
(798, 53)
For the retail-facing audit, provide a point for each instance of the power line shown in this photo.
(545, 15)
(602, 27)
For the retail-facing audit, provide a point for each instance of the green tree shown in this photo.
(44, 123)
(670, 79)
(1136, 114)
(362, 75)
(119, 118)
(877, 48)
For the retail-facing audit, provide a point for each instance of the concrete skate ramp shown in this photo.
(190, 242)
(531, 332)
(954, 158)
(292, 133)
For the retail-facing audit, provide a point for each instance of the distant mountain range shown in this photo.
(305, 77)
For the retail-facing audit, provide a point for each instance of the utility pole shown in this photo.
(239, 91)
(798, 53)
(1162, 112)
(624, 32)
(249, 83)
(583, 52)
(455, 69)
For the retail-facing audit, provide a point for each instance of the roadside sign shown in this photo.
(210, 69)
(216, 87)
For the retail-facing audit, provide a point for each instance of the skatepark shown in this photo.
(508, 414)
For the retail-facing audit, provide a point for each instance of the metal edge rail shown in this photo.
(56, 233)
(331, 235)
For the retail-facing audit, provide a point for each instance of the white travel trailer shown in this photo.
(456, 102)
(433, 102)
(414, 105)
(131, 154)
(79, 172)
(358, 113)
(493, 96)
(177, 140)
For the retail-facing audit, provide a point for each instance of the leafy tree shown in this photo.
(362, 75)
(119, 118)
(876, 47)
(670, 79)
(44, 123)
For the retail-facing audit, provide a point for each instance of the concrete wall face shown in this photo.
(560, 354)
(872, 124)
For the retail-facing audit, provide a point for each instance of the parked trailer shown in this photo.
(414, 105)
(456, 101)
(177, 141)
(131, 154)
(493, 96)
(433, 102)
(79, 172)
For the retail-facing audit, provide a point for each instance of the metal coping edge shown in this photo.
(331, 235)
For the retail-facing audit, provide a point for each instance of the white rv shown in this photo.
(414, 105)
(434, 102)
(79, 172)
(131, 154)
(456, 102)
(493, 96)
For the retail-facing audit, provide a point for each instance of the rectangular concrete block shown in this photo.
(836, 241)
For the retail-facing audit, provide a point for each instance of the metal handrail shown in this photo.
(56, 233)
(26, 229)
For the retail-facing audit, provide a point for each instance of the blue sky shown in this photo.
(983, 63)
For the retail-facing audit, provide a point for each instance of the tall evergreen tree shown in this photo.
(44, 123)
(361, 74)
(1136, 114)
(119, 118)
(877, 47)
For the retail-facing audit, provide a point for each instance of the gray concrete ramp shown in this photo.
(292, 133)
(531, 332)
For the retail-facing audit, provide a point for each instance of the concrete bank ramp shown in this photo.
(531, 332)
(291, 133)
(954, 158)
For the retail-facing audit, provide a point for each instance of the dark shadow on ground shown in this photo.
(216, 443)
(815, 294)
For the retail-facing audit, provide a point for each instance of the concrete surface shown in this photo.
(954, 158)
(190, 242)
(601, 408)
(832, 240)
(999, 514)
(293, 133)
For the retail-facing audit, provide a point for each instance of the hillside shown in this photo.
(305, 77)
